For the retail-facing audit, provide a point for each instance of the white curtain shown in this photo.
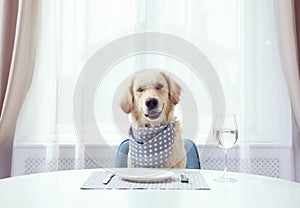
(285, 11)
(69, 32)
(72, 32)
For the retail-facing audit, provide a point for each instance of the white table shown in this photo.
(62, 189)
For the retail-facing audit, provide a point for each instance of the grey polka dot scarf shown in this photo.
(151, 147)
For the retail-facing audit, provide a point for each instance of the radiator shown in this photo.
(272, 161)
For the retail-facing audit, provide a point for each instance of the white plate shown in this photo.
(144, 174)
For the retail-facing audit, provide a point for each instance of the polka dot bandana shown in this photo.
(151, 147)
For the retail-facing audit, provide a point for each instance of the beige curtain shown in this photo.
(18, 21)
(288, 13)
(289, 55)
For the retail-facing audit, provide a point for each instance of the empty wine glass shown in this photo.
(225, 133)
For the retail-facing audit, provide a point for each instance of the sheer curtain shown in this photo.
(72, 32)
(69, 32)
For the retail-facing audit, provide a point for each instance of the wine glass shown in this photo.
(225, 133)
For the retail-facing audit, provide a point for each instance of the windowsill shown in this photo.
(114, 145)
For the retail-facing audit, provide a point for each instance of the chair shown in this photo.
(192, 155)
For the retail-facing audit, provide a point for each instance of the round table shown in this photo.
(62, 189)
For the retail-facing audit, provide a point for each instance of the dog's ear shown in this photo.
(174, 89)
(126, 102)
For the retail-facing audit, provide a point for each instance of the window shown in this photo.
(237, 37)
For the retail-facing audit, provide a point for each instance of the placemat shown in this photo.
(196, 182)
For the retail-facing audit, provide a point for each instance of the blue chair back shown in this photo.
(193, 161)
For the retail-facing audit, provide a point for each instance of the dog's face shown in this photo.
(150, 98)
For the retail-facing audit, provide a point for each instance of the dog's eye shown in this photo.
(159, 86)
(140, 89)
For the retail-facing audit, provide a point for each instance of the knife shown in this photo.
(108, 178)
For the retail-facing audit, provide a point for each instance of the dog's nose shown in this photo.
(151, 103)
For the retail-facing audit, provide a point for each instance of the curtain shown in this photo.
(297, 25)
(288, 22)
(287, 34)
(17, 52)
(288, 19)
(68, 37)
(296, 139)
(73, 33)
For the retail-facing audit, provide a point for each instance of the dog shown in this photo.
(150, 100)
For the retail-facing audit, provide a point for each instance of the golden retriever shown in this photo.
(150, 100)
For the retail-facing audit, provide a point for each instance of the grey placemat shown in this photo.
(196, 182)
